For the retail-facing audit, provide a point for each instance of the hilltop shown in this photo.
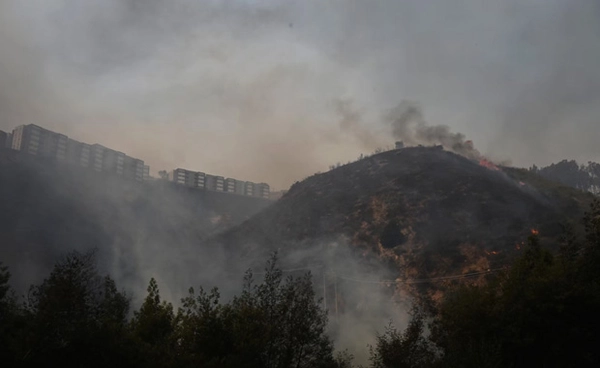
(423, 211)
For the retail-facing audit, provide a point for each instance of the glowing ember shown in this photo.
(535, 232)
(490, 165)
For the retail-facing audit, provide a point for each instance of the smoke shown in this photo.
(359, 307)
(409, 126)
(352, 125)
(252, 90)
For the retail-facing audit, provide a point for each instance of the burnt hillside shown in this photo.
(425, 210)
(47, 209)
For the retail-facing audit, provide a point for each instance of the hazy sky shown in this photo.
(276, 90)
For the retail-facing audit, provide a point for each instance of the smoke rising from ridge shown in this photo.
(257, 81)
(409, 125)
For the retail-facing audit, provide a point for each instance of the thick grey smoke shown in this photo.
(274, 91)
(409, 126)
(248, 89)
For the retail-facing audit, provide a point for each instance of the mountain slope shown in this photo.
(47, 209)
(424, 210)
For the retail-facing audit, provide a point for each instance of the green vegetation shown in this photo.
(78, 318)
(539, 312)
(570, 173)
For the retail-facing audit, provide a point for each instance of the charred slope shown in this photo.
(47, 209)
(424, 209)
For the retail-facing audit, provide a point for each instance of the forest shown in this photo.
(539, 312)
(569, 172)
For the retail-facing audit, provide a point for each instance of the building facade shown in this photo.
(38, 141)
(78, 153)
(230, 185)
(217, 183)
(249, 189)
(262, 190)
(146, 175)
(133, 168)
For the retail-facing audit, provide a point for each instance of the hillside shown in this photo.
(424, 211)
(139, 229)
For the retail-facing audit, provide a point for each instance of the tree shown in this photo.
(275, 324)
(9, 319)
(536, 314)
(153, 327)
(77, 316)
(409, 349)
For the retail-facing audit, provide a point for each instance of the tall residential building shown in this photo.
(240, 187)
(249, 188)
(262, 190)
(114, 162)
(41, 142)
(201, 180)
(78, 153)
(38, 141)
(183, 177)
(229, 186)
(97, 157)
(218, 183)
(214, 182)
(133, 168)
(146, 172)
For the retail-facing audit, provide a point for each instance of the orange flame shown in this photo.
(488, 164)
(535, 232)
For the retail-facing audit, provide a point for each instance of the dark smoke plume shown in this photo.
(409, 125)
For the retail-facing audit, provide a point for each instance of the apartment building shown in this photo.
(201, 180)
(97, 157)
(146, 175)
(262, 190)
(41, 142)
(78, 153)
(249, 188)
(229, 185)
(38, 141)
(240, 187)
(187, 177)
(114, 161)
(133, 168)
(214, 182)
(218, 183)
